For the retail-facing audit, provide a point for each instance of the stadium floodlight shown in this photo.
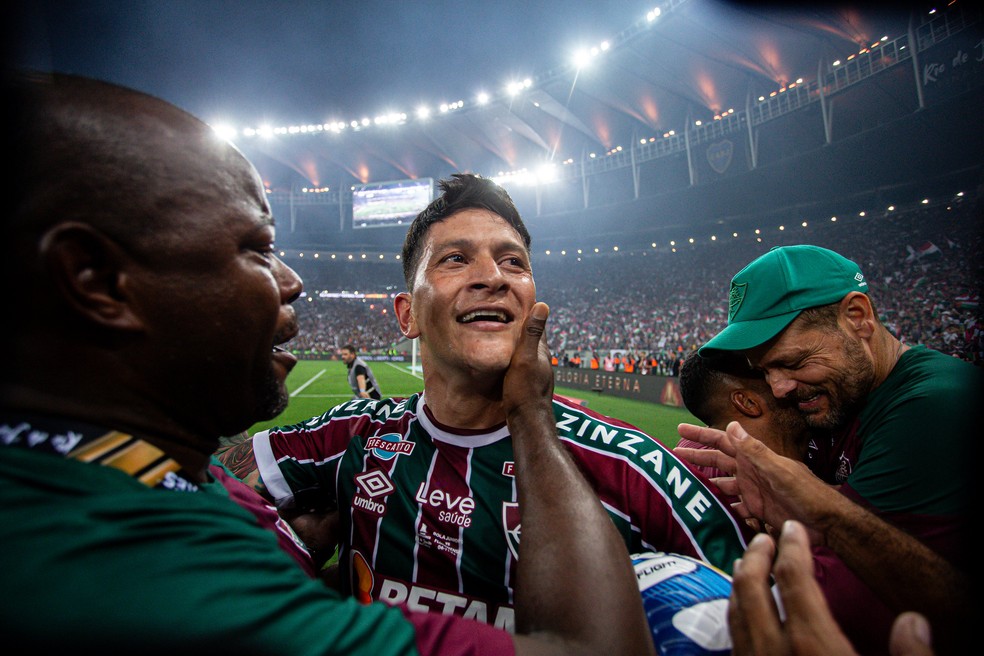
(482, 98)
(225, 131)
(423, 112)
(546, 173)
(581, 59)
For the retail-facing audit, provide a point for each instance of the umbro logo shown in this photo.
(375, 483)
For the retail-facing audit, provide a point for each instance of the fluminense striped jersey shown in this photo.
(429, 515)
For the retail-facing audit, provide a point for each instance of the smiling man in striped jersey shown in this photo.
(425, 486)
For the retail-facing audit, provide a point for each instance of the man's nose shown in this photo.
(488, 273)
(782, 385)
(290, 283)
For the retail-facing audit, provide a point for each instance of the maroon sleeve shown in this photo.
(866, 621)
(451, 635)
(266, 516)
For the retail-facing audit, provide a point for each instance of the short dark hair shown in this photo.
(702, 380)
(350, 347)
(459, 192)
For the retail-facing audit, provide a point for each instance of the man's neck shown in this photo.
(464, 406)
(887, 356)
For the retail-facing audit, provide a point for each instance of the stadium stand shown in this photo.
(925, 266)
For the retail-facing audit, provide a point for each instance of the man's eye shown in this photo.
(267, 251)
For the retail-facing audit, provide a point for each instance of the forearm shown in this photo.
(901, 570)
(565, 531)
(575, 583)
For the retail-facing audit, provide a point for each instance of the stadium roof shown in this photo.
(311, 66)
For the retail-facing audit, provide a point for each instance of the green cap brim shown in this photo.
(743, 335)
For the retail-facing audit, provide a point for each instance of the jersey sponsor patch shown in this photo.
(375, 483)
(443, 542)
(372, 486)
(424, 598)
(363, 577)
(451, 508)
(387, 447)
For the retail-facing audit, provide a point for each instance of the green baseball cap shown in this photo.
(771, 291)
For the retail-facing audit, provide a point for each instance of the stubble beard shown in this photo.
(272, 398)
(847, 391)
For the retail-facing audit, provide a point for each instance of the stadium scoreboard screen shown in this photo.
(383, 204)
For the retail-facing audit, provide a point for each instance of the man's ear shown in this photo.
(87, 268)
(403, 306)
(858, 313)
(746, 403)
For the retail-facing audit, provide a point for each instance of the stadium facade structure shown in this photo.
(894, 124)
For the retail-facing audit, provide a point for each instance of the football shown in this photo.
(686, 603)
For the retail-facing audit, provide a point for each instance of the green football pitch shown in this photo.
(317, 385)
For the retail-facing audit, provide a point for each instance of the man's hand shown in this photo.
(720, 453)
(565, 529)
(808, 627)
(530, 375)
(772, 488)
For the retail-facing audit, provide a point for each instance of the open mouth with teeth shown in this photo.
(497, 316)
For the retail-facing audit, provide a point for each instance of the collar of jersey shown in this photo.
(458, 436)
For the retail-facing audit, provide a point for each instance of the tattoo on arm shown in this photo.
(237, 454)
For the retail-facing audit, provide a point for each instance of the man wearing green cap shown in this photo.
(902, 421)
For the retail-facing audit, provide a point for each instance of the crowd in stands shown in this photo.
(651, 309)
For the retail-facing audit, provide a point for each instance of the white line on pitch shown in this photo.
(314, 378)
(405, 370)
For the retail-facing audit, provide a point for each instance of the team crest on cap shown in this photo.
(735, 298)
